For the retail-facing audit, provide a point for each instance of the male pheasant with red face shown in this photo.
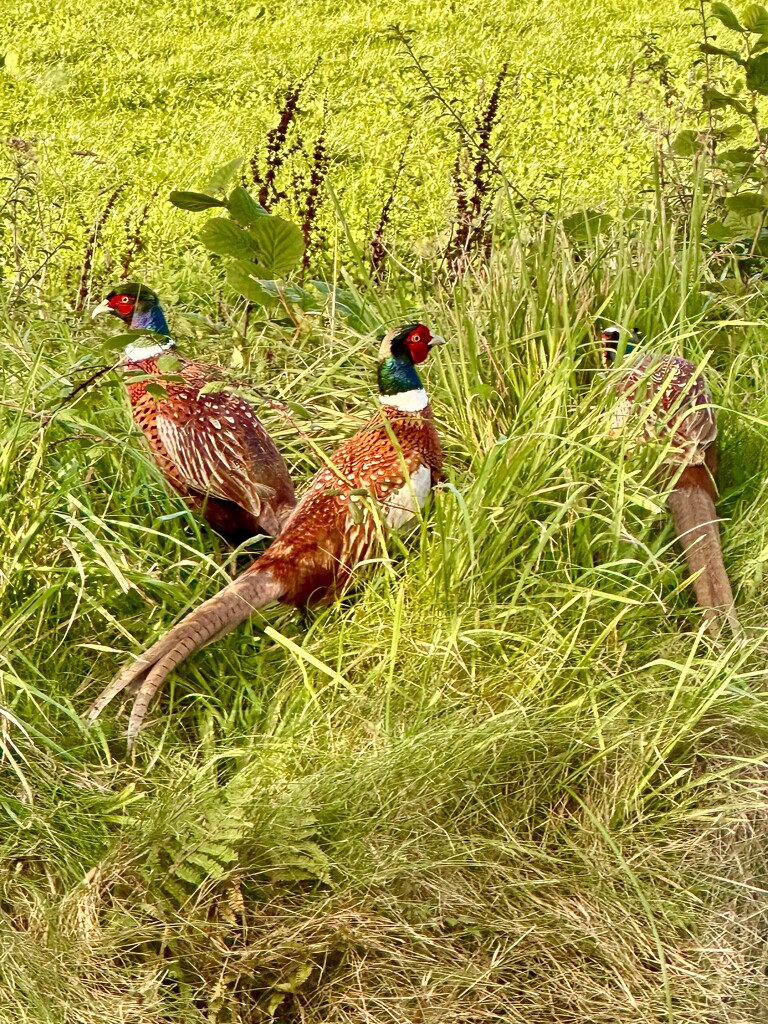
(672, 398)
(211, 448)
(383, 473)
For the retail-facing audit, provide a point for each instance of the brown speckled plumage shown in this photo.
(379, 478)
(336, 524)
(671, 397)
(213, 450)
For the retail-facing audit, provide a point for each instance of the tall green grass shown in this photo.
(508, 777)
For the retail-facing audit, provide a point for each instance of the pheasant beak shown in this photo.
(436, 340)
(103, 307)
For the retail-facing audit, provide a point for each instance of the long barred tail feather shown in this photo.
(215, 617)
(692, 504)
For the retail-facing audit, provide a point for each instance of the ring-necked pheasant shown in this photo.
(671, 398)
(383, 473)
(212, 448)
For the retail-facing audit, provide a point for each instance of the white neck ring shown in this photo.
(407, 401)
(138, 353)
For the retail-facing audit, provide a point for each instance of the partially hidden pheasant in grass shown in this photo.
(382, 475)
(671, 399)
(211, 447)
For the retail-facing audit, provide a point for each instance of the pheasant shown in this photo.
(676, 406)
(384, 472)
(211, 448)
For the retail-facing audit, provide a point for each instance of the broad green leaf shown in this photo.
(168, 363)
(222, 176)
(747, 202)
(280, 245)
(755, 19)
(741, 156)
(243, 208)
(720, 232)
(727, 134)
(720, 52)
(120, 341)
(586, 224)
(351, 316)
(635, 213)
(244, 278)
(725, 15)
(292, 293)
(735, 229)
(131, 338)
(194, 201)
(757, 74)
(156, 390)
(716, 100)
(686, 143)
(224, 237)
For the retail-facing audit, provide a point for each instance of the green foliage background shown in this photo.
(162, 93)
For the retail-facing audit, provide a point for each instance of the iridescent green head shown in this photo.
(400, 350)
(612, 338)
(137, 306)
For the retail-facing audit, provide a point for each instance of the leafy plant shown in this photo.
(475, 179)
(290, 173)
(260, 249)
(277, 150)
(32, 234)
(731, 149)
(94, 241)
(476, 174)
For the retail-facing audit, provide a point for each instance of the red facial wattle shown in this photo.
(418, 344)
(122, 306)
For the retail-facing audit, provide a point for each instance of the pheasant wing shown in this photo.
(683, 407)
(221, 449)
(673, 396)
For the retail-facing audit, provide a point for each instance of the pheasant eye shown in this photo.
(418, 343)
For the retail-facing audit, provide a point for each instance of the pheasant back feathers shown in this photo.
(211, 447)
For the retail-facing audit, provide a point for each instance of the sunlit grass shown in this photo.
(155, 98)
(507, 778)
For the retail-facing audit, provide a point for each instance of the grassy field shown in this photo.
(155, 96)
(508, 777)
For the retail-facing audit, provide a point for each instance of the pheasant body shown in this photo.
(671, 396)
(675, 404)
(211, 447)
(380, 477)
(388, 467)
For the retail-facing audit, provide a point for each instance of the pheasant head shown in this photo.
(139, 308)
(399, 384)
(612, 338)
